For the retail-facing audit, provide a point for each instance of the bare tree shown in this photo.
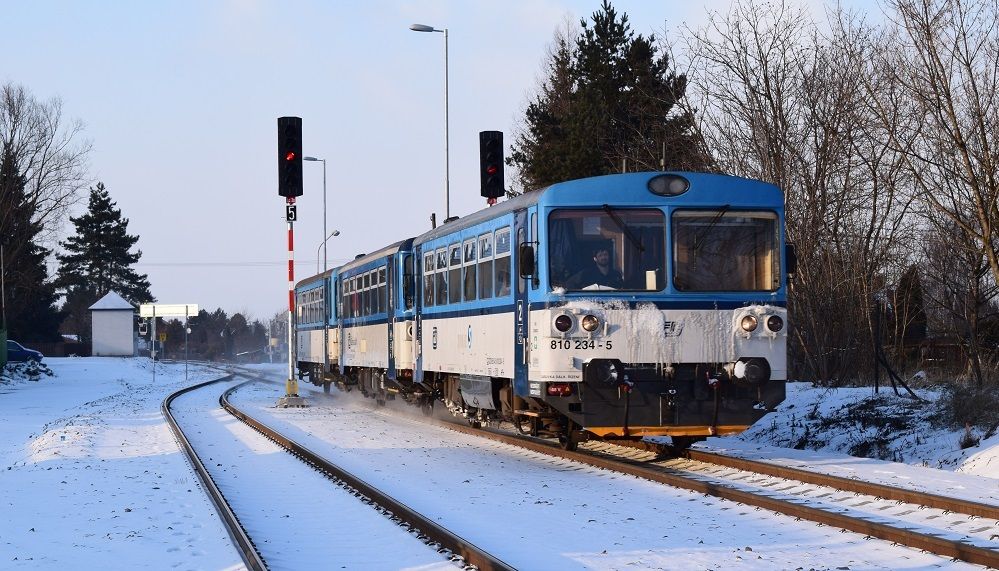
(44, 152)
(780, 103)
(948, 65)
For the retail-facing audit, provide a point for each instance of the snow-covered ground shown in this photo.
(91, 477)
(820, 427)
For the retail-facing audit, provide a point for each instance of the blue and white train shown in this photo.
(612, 307)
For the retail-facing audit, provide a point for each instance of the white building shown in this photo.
(112, 327)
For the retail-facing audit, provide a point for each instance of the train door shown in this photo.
(521, 310)
(418, 311)
(338, 286)
(390, 289)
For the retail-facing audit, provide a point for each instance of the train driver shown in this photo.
(600, 273)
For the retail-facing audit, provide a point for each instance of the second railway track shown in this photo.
(266, 504)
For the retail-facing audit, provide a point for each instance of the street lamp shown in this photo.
(447, 178)
(323, 244)
(314, 159)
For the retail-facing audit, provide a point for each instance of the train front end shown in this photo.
(664, 311)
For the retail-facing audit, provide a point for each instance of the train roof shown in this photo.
(377, 254)
(713, 183)
(516, 203)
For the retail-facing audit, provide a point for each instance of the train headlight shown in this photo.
(590, 323)
(775, 323)
(562, 323)
(749, 323)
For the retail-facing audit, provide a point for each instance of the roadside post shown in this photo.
(154, 310)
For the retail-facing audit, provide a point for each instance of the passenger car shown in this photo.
(17, 353)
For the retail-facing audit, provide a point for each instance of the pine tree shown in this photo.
(99, 259)
(610, 102)
(29, 295)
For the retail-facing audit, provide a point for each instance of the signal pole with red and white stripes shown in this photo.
(291, 387)
(290, 187)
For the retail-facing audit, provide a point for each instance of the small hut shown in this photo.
(113, 326)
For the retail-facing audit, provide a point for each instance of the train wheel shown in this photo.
(526, 425)
(427, 407)
(568, 439)
(682, 443)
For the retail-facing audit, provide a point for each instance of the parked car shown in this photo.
(19, 353)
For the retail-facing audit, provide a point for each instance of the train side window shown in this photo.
(502, 262)
(485, 266)
(358, 297)
(441, 277)
(428, 279)
(454, 273)
(468, 267)
(346, 299)
(382, 303)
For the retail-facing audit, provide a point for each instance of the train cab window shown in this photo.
(428, 279)
(607, 249)
(723, 250)
(454, 273)
(485, 266)
(502, 262)
(441, 281)
(468, 268)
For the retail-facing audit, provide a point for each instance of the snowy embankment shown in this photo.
(91, 476)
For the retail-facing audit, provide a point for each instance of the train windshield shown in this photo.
(724, 250)
(607, 249)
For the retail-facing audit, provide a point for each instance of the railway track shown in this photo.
(970, 532)
(973, 538)
(700, 473)
(247, 550)
(449, 544)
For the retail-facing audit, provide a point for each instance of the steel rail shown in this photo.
(434, 532)
(910, 538)
(882, 491)
(846, 484)
(251, 557)
(949, 548)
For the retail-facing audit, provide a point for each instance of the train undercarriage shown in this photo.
(686, 402)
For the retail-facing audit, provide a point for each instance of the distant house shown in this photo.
(112, 327)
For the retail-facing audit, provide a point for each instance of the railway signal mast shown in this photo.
(290, 187)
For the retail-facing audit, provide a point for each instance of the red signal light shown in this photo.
(491, 170)
(290, 156)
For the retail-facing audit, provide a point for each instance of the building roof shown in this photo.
(112, 301)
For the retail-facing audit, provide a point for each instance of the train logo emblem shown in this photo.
(434, 339)
(673, 328)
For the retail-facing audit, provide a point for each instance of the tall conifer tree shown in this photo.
(609, 103)
(99, 259)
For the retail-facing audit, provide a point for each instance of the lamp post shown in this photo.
(447, 178)
(314, 159)
(322, 245)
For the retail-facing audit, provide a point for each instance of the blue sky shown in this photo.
(180, 100)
